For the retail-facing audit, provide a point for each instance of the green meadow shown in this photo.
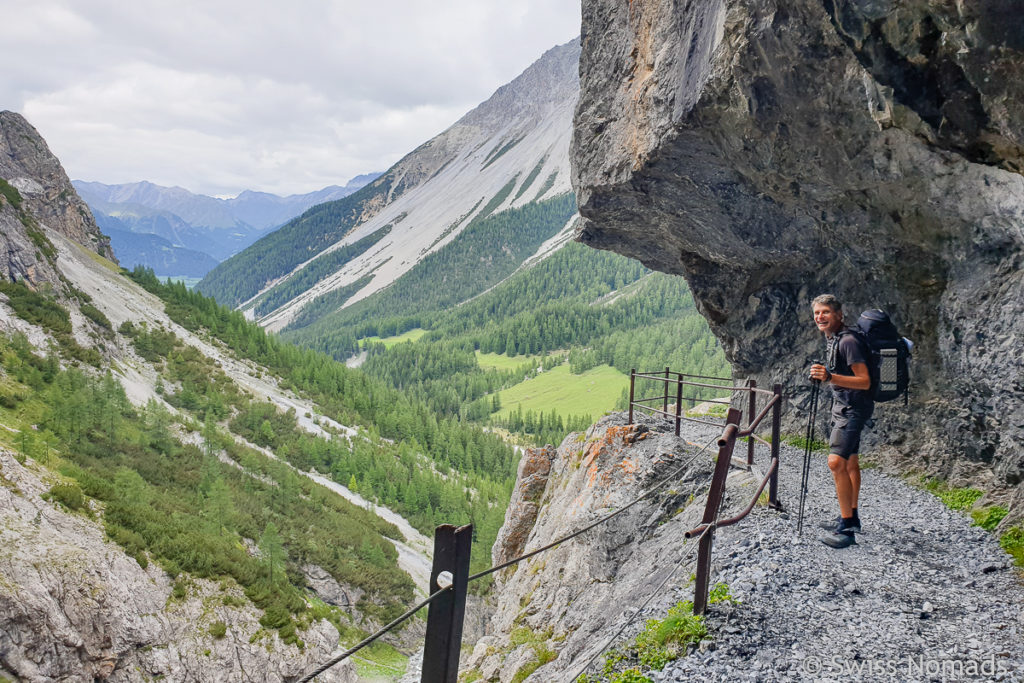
(593, 393)
(412, 335)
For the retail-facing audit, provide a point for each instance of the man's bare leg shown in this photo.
(853, 469)
(844, 484)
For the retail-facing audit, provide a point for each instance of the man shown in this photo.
(846, 371)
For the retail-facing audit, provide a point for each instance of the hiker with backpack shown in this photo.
(865, 363)
(847, 372)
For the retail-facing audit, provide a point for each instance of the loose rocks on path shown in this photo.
(923, 596)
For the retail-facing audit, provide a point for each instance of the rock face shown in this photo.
(773, 151)
(569, 600)
(75, 607)
(532, 477)
(42, 197)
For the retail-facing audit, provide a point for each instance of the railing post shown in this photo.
(632, 383)
(443, 642)
(752, 385)
(679, 401)
(773, 485)
(664, 405)
(725, 447)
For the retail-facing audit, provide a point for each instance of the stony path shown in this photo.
(923, 596)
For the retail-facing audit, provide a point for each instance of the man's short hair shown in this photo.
(829, 300)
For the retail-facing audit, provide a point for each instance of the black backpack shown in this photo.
(890, 376)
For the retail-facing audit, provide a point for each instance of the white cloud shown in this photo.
(224, 96)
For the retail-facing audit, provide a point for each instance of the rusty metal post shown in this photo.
(725, 447)
(443, 642)
(773, 486)
(664, 404)
(752, 384)
(632, 383)
(679, 402)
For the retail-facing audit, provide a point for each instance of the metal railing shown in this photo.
(450, 577)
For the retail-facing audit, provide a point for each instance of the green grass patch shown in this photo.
(592, 393)
(537, 641)
(708, 410)
(801, 442)
(988, 518)
(68, 495)
(1013, 543)
(499, 361)
(10, 193)
(218, 629)
(412, 335)
(380, 660)
(954, 498)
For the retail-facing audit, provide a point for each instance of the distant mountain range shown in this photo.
(180, 233)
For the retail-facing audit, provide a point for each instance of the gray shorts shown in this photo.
(847, 424)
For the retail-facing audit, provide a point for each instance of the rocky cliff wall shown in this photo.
(555, 611)
(75, 607)
(37, 193)
(771, 151)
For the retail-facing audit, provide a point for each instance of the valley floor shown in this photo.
(923, 596)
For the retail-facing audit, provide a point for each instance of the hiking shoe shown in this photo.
(836, 525)
(841, 539)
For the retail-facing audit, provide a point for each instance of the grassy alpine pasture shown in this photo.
(592, 393)
(412, 335)
(499, 361)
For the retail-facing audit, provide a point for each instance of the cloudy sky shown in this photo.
(224, 95)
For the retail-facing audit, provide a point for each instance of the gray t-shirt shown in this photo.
(844, 350)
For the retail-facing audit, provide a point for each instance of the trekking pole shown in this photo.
(808, 447)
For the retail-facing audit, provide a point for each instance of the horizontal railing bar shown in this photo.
(691, 399)
(695, 384)
(753, 501)
(653, 398)
(766, 443)
(660, 412)
(684, 374)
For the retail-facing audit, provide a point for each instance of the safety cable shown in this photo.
(627, 622)
(657, 591)
(369, 639)
(509, 563)
(600, 521)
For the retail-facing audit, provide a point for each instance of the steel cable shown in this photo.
(600, 521)
(657, 591)
(375, 636)
(428, 600)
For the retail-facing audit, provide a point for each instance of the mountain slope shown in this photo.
(510, 151)
(36, 194)
(152, 251)
(231, 486)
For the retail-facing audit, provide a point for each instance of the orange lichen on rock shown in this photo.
(615, 438)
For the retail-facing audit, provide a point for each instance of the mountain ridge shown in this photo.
(199, 227)
(508, 151)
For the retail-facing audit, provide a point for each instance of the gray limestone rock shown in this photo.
(74, 607)
(773, 151)
(43, 197)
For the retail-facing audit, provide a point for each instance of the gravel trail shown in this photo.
(923, 596)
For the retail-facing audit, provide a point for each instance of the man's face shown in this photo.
(827, 320)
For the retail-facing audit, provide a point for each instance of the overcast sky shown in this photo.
(223, 95)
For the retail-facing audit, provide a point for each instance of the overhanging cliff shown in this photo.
(773, 151)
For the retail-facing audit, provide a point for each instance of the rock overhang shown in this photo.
(769, 152)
